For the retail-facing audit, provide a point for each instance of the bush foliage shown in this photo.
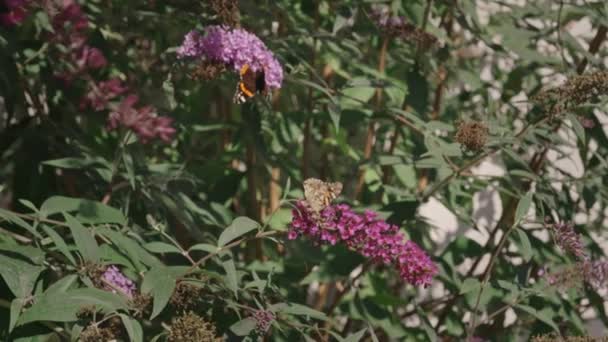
(143, 200)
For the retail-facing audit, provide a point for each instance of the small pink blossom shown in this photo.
(99, 94)
(143, 121)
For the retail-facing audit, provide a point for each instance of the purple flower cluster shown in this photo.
(263, 320)
(567, 239)
(113, 276)
(367, 234)
(234, 48)
(142, 121)
(16, 12)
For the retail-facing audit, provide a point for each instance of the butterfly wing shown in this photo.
(251, 83)
(319, 194)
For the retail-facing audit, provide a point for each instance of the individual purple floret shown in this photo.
(234, 48)
(114, 276)
(367, 234)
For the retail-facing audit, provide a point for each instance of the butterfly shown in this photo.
(251, 83)
(319, 194)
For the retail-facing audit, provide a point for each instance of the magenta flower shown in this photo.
(367, 234)
(70, 15)
(143, 121)
(263, 321)
(102, 92)
(16, 12)
(114, 276)
(91, 58)
(234, 48)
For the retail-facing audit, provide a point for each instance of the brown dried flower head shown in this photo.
(93, 333)
(94, 272)
(592, 272)
(227, 11)
(472, 134)
(553, 337)
(399, 27)
(140, 304)
(190, 327)
(87, 312)
(575, 91)
(207, 70)
(186, 296)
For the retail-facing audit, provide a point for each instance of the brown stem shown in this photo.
(308, 125)
(201, 261)
(594, 46)
(371, 129)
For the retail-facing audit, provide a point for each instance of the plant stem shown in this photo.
(259, 235)
(371, 129)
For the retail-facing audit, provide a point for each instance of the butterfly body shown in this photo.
(319, 194)
(251, 83)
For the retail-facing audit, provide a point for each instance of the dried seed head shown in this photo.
(227, 11)
(186, 296)
(575, 91)
(87, 312)
(190, 327)
(207, 70)
(592, 272)
(94, 333)
(553, 337)
(399, 27)
(94, 272)
(472, 134)
(140, 305)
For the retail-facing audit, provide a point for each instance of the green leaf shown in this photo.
(297, 310)
(136, 333)
(59, 243)
(240, 226)
(16, 307)
(69, 163)
(84, 239)
(579, 130)
(62, 285)
(523, 206)
(356, 337)
(88, 211)
(243, 327)
(19, 276)
(525, 245)
(543, 315)
(470, 284)
(161, 247)
(35, 255)
(160, 283)
(136, 253)
(231, 277)
(63, 306)
(12, 217)
(205, 247)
